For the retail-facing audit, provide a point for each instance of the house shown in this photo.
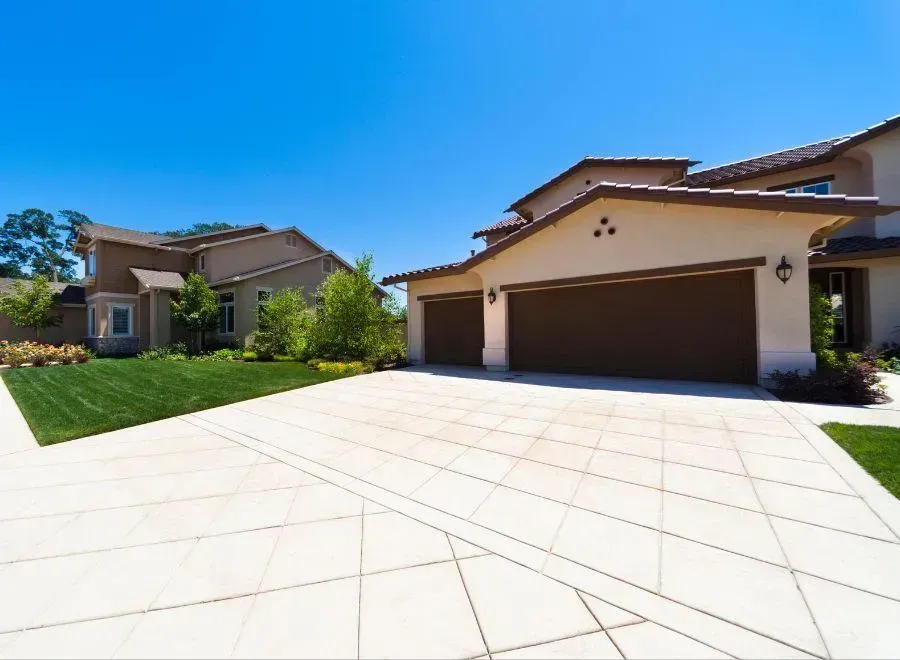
(131, 277)
(644, 266)
(69, 308)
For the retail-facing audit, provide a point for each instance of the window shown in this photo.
(837, 283)
(263, 296)
(327, 265)
(290, 240)
(226, 312)
(92, 321)
(120, 320)
(821, 188)
(202, 262)
(91, 270)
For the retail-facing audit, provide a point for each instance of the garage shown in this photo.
(454, 330)
(698, 327)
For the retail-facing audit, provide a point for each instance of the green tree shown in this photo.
(8, 269)
(196, 308)
(31, 305)
(284, 324)
(350, 322)
(36, 241)
(821, 319)
(200, 228)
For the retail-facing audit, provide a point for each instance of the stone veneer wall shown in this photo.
(112, 345)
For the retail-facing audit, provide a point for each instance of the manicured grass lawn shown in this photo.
(72, 401)
(876, 448)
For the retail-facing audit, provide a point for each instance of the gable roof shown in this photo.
(175, 239)
(507, 224)
(605, 161)
(99, 231)
(251, 237)
(789, 159)
(833, 205)
(158, 279)
(69, 294)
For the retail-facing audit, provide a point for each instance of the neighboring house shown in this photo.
(70, 307)
(131, 277)
(640, 267)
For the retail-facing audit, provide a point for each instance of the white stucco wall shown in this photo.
(649, 236)
(577, 182)
(884, 302)
(416, 309)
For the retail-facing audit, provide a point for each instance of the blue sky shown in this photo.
(401, 127)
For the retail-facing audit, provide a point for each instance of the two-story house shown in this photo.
(131, 277)
(641, 266)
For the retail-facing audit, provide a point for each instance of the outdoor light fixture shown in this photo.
(492, 296)
(784, 270)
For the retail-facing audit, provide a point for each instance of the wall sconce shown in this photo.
(784, 270)
(492, 297)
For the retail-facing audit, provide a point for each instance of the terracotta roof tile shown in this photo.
(856, 244)
(417, 274)
(788, 159)
(507, 224)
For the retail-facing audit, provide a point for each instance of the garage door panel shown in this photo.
(454, 331)
(699, 327)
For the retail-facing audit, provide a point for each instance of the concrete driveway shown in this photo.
(453, 514)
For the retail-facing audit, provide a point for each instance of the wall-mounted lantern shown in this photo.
(492, 297)
(784, 270)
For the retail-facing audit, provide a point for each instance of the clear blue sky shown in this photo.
(401, 127)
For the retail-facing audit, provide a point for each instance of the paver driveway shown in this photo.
(453, 514)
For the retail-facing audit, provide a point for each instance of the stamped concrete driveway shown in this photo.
(453, 513)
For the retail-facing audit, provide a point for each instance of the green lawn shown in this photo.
(876, 448)
(72, 401)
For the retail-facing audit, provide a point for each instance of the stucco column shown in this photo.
(782, 317)
(495, 354)
(415, 328)
(153, 317)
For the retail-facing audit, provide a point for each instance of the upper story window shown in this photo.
(91, 266)
(327, 265)
(201, 262)
(819, 186)
(120, 320)
(291, 240)
(226, 312)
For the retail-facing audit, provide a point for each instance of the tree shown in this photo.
(284, 323)
(36, 241)
(200, 228)
(31, 305)
(821, 319)
(196, 308)
(350, 322)
(9, 269)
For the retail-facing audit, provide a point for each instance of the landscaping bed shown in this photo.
(875, 448)
(77, 400)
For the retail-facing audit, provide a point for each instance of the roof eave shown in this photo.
(426, 275)
(883, 253)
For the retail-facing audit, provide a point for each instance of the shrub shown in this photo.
(31, 306)
(195, 307)
(177, 351)
(854, 381)
(821, 319)
(16, 354)
(284, 323)
(221, 355)
(314, 363)
(345, 368)
(249, 356)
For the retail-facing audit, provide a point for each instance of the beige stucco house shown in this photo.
(645, 267)
(131, 277)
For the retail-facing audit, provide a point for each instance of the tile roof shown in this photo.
(158, 279)
(780, 201)
(789, 159)
(421, 273)
(608, 161)
(513, 222)
(856, 244)
(69, 294)
(96, 230)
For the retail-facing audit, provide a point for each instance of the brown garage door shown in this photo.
(700, 327)
(454, 331)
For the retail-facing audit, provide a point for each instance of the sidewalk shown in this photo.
(16, 435)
